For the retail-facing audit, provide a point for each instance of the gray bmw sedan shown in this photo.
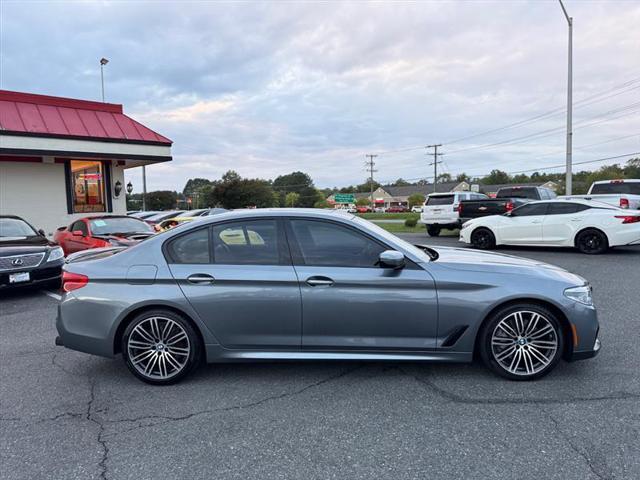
(295, 284)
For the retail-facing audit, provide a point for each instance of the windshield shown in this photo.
(517, 193)
(616, 187)
(14, 227)
(440, 200)
(381, 232)
(108, 226)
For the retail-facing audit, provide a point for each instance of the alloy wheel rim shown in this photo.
(524, 342)
(158, 348)
(591, 243)
(482, 239)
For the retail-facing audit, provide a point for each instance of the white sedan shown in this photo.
(591, 227)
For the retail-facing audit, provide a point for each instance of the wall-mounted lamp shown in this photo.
(129, 188)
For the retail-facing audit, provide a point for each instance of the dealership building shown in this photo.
(63, 158)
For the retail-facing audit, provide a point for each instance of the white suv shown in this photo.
(440, 210)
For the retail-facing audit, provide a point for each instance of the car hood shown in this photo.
(465, 259)
(24, 245)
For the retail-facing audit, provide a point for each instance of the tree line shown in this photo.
(297, 189)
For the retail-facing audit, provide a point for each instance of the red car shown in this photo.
(397, 209)
(104, 231)
(363, 209)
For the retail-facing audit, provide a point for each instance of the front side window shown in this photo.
(530, 210)
(251, 242)
(330, 244)
(190, 248)
(88, 186)
(81, 227)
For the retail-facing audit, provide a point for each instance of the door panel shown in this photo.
(524, 225)
(562, 222)
(368, 308)
(239, 279)
(246, 306)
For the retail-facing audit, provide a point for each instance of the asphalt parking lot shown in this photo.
(66, 415)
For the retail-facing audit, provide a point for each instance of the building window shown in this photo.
(88, 186)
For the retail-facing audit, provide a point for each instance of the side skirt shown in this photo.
(218, 354)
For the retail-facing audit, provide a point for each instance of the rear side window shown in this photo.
(252, 242)
(190, 248)
(565, 208)
(329, 244)
(616, 188)
(440, 200)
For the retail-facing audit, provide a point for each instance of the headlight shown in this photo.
(580, 294)
(56, 253)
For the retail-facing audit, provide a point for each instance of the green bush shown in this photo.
(411, 222)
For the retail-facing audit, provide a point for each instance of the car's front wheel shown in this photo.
(483, 239)
(522, 342)
(160, 347)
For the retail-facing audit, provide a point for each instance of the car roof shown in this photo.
(618, 180)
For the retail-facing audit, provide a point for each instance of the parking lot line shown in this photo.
(52, 294)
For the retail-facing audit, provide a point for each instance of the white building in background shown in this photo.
(62, 158)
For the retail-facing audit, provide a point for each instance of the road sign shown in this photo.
(344, 198)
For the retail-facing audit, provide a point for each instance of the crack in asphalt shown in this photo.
(102, 465)
(242, 406)
(595, 467)
(455, 398)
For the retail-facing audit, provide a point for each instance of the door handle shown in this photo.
(536, 221)
(200, 279)
(576, 219)
(319, 282)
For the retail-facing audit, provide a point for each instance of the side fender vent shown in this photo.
(454, 336)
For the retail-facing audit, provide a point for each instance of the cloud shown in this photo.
(269, 88)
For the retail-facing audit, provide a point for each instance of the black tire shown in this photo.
(483, 239)
(433, 230)
(166, 346)
(592, 242)
(490, 353)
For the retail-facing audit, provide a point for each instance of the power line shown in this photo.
(370, 164)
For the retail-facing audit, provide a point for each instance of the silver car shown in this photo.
(319, 285)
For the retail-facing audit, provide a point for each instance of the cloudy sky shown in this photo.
(272, 87)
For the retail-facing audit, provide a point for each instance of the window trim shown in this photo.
(296, 252)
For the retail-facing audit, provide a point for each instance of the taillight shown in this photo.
(73, 281)
(624, 203)
(509, 206)
(629, 218)
(459, 208)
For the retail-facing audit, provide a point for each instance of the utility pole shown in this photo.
(103, 62)
(144, 189)
(435, 163)
(370, 164)
(569, 178)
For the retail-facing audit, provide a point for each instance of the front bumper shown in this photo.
(39, 275)
(586, 354)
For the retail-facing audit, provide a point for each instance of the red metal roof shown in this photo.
(31, 114)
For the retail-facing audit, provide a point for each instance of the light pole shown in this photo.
(103, 62)
(569, 178)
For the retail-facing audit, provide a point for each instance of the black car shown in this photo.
(27, 257)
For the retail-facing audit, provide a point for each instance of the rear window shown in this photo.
(109, 226)
(440, 200)
(616, 187)
(517, 193)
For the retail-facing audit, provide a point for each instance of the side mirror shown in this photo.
(42, 232)
(77, 233)
(391, 259)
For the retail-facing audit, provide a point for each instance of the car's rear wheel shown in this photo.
(522, 342)
(160, 347)
(592, 242)
(433, 230)
(483, 239)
